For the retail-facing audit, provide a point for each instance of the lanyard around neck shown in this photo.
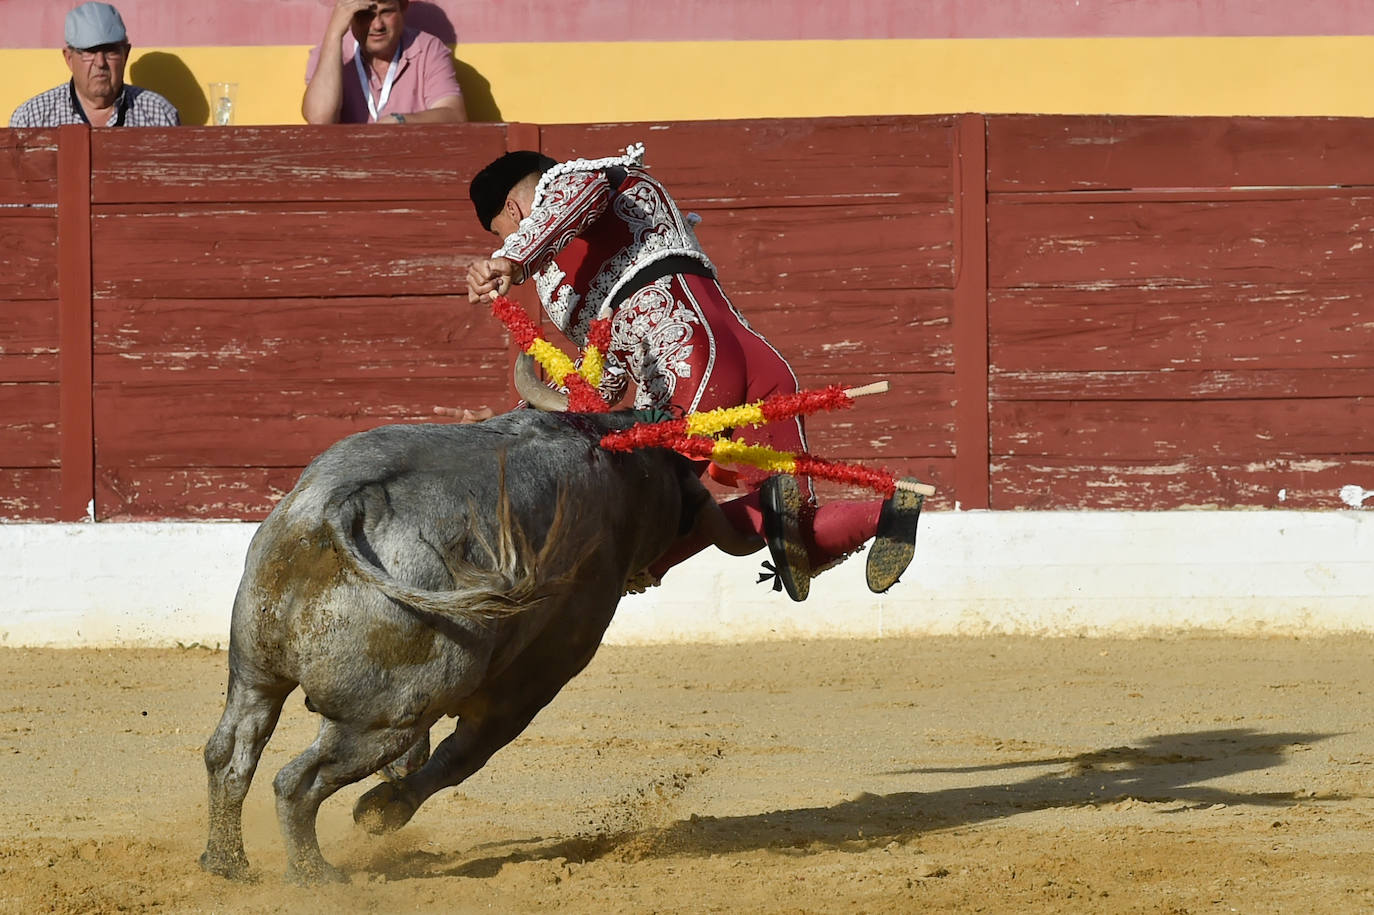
(374, 107)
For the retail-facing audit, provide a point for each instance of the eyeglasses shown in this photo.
(109, 51)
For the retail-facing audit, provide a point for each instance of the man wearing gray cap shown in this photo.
(96, 52)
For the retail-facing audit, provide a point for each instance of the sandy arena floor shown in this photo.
(973, 775)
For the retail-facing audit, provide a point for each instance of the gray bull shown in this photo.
(416, 572)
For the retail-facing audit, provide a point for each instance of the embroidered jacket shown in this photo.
(595, 226)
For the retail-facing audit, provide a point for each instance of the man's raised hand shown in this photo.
(344, 11)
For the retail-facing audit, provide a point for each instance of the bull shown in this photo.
(423, 571)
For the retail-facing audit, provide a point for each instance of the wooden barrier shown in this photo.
(30, 474)
(1074, 312)
(1175, 311)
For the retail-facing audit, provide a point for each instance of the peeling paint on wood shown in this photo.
(1067, 483)
(33, 494)
(1177, 309)
(28, 255)
(330, 163)
(28, 168)
(835, 160)
(28, 425)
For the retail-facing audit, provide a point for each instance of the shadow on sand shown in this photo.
(1168, 769)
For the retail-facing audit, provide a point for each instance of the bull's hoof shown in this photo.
(384, 809)
(231, 867)
(314, 874)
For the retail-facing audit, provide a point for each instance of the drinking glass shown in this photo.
(222, 97)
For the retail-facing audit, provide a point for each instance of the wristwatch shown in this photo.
(400, 118)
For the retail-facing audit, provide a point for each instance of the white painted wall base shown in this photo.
(1042, 573)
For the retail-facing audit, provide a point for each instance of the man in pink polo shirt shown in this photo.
(384, 73)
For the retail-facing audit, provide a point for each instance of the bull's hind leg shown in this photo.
(250, 714)
(341, 754)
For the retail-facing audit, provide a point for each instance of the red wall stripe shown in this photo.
(176, 23)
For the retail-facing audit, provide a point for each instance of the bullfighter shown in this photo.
(602, 238)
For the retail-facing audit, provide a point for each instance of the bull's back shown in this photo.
(430, 498)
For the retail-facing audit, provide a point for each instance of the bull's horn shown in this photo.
(535, 392)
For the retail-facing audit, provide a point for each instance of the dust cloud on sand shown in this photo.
(1178, 775)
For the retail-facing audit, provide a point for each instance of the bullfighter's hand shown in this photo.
(344, 11)
(464, 415)
(489, 278)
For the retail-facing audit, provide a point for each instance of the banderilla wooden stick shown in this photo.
(877, 387)
(924, 489)
(880, 387)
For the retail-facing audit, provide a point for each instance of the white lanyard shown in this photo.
(374, 107)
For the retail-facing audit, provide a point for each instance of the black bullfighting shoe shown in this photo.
(781, 501)
(895, 543)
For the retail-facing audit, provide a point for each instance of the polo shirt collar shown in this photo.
(408, 50)
(121, 105)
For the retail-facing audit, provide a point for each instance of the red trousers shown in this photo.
(683, 343)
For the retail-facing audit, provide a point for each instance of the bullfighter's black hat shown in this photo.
(489, 189)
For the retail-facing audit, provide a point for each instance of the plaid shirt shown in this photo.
(135, 107)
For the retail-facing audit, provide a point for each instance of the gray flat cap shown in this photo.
(93, 24)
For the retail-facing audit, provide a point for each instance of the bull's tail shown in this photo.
(520, 579)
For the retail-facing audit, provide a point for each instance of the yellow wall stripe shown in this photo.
(614, 81)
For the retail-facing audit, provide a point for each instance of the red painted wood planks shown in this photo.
(29, 425)
(872, 246)
(30, 481)
(1244, 327)
(262, 423)
(284, 250)
(913, 420)
(28, 255)
(204, 493)
(1172, 430)
(1028, 153)
(28, 167)
(1316, 239)
(234, 340)
(971, 314)
(284, 164)
(28, 342)
(30, 494)
(849, 330)
(776, 162)
(1191, 482)
(1176, 329)
(77, 451)
(1181, 385)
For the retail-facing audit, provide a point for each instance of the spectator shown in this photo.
(96, 52)
(385, 73)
